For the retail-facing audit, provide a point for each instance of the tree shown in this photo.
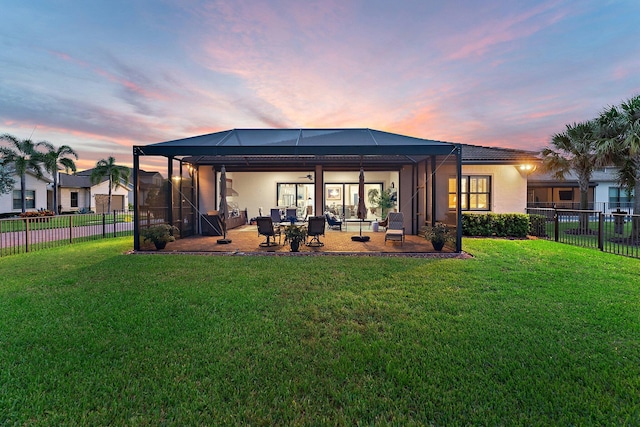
(23, 156)
(620, 142)
(574, 150)
(117, 175)
(6, 179)
(54, 160)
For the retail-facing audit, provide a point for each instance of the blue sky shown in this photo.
(102, 76)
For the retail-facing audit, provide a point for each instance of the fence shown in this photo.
(605, 207)
(616, 233)
(21, 235)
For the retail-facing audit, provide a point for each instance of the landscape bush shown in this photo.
(498, 225)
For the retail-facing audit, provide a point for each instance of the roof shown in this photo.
(477, 154)
(74, 181)
(297, 142)
(599, 175)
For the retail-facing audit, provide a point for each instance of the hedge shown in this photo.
(499, 225)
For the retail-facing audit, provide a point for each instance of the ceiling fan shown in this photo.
(309, 177)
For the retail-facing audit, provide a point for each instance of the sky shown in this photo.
(102, 76)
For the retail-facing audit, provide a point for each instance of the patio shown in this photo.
(246, 240)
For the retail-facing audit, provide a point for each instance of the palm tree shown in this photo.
(620, 142)
(118, 175)
(6, 179)
(53, 159)
(23, 156)
(574, 150)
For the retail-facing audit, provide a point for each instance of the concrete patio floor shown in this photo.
(245, 240)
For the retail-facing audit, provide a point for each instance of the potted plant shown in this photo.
(439, 234)
(159, 234)
(295, 234)
(384, 200)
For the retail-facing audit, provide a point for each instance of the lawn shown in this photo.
(525, 333)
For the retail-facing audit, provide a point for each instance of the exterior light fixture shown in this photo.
(526, 169)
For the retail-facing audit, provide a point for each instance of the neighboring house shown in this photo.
(36, 195)
(605, 193)
(77, 193)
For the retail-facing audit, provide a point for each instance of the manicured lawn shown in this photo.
(17, 224)
(525, 333)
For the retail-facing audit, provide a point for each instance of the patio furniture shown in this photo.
(333, 222)
(275, 216)
(291, 215)
(266, 228)
(316, 229)
(395, 228)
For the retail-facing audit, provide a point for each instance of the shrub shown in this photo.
(499, 225)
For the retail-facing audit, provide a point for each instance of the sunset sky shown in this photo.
(102, 76)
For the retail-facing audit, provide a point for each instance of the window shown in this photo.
(74, 199)
(476, 193)
(30, 197)
(619, 198)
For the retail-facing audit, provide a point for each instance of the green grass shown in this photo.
(525, 333)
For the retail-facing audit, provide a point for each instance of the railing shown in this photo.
(605, 207)
(616, 233)
(21, 235)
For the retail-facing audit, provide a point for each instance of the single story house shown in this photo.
(311, 170)
(36, 195)
(77, 193)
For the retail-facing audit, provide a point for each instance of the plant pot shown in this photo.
(295, 246)
(437, 245)
(160, 245)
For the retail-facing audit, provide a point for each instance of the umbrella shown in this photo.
(223, 208)
(362, 209)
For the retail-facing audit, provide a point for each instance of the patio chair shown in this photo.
(275, 216)
(395, 228)
(316, 229)
(333, 222)
(266, 228)
(291, 215)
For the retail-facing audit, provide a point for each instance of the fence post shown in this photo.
(556, 232)
(114, 223)
(70, 229)
(104, 225)
(26, 236)
(601, 231)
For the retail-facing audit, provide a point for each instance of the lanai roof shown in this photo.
(297, 142)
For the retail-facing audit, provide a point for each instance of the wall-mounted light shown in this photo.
(526, 169)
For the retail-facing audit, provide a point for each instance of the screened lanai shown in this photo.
(314, 171)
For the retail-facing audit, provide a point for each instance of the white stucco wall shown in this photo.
(103, 189)
(508, 186)
(32, 183)
(84, 198)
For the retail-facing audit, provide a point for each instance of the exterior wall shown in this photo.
(103, 189)
(32, 183)
(84, 198)
(508, 186)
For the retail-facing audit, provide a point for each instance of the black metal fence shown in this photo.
(21, 235)
(616, 233)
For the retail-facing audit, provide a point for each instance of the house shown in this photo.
(36, 195)
(495, 179)
(77, 193)
(316, 170)
(307, 170)
(604, 194)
